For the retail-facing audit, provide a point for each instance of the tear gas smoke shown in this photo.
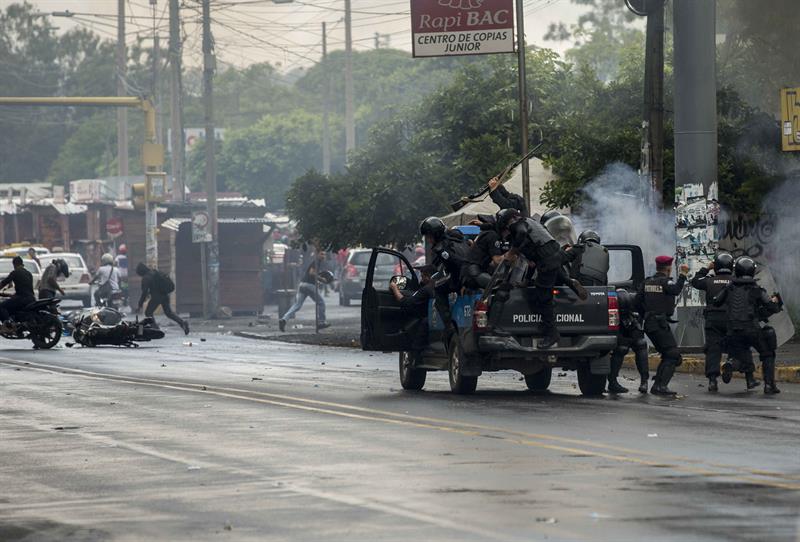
(782, 255)
(617, 207)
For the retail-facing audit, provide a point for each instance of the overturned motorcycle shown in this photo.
(99, 326)
(38, 322)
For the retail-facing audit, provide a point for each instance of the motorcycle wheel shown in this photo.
(47, 332)
(151, 334)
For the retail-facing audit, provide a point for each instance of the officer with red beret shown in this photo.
(656, 300)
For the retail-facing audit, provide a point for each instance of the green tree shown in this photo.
(88, 152)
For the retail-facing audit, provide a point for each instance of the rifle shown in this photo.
(480, 195)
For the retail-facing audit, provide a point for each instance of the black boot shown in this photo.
(615, 387)
(752, 382)
(643, 384)
(712, 384)
(579, 290)
(662, 381)
(768, 368)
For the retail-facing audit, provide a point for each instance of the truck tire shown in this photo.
(411, 378)
(460, 384)
(590, 384)
(539, 382)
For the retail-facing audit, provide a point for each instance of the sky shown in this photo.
(288, 35)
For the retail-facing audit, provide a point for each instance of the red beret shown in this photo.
(664, 260)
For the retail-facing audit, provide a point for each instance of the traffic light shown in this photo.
(138, 196)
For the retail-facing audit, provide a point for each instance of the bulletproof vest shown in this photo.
(742, 301)
(479, 252)
(452, 252)
(714, 286)
(655, 299)
(535, 242)
(593, 265)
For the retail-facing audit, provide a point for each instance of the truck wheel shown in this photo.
(590, 384)
(411, 378)
(458, 382)
(539, 382)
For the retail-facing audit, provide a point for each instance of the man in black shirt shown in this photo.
(307, 288)
(484, 254)
(505, 199)
(153, 287)
(23, 290)
(415, 307)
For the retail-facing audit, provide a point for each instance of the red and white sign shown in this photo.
(114, 227)
(462, 27)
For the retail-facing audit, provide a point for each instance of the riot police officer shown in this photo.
(590, 262)
(656, 300)
(747, 303)
(505, 199)
(631, 337)
(530, 239)
(485, 252)
(716, 320)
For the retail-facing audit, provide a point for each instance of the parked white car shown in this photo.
(77, 286)
(7, 267)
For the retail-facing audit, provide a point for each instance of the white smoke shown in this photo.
(781, 212)
(618, 206)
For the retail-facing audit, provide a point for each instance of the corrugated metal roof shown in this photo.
(174, 224)
(62, 208)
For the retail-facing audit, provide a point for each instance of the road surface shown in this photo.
(235, 439)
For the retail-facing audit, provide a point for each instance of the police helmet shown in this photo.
(744, 267)
(723, 262)
(562, 230)
(505, 217)
(589, 235)
(433, 226)
(552, 213)
(107, 259)
(61, 267)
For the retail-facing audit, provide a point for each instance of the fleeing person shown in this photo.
(656, 300)
(23, 295)
(414, 307)
(48, 284)
(107, 280)
(157, 286)
(308, 288)
(747, 303)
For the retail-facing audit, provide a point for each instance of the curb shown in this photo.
(697, 366)
(296, 340)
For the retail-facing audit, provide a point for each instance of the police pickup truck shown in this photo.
(492, 335)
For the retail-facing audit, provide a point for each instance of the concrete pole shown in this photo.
(523, 104)
(695, 125)
(349, 114)
(212, 258)
(654, 94)
(122, 113)
(156, 98)
(326, 133)
(176, 102)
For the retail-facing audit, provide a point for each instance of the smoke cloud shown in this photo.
(618, 206)
(781, 213)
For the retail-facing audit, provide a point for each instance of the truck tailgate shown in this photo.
(518, 315)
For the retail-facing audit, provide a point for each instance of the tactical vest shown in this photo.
(714, 286)
(742, 304)
(452, 252)
(593, 268)
(655, 299)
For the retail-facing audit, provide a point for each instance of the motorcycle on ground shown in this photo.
(99, 326)
(38, 322)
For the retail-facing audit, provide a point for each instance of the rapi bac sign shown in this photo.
(462, 27)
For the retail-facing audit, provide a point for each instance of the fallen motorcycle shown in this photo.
(99, 326)
(38, 322)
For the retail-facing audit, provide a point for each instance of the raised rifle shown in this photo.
(481, 194)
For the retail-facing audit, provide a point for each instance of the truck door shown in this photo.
(382, 320)
(626, 267)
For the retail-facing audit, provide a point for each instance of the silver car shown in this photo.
(77, 286)
(354, 274)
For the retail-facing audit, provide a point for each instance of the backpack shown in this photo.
(162, 282)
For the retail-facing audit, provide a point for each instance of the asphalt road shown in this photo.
(232, 439)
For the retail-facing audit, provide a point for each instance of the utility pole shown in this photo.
(654, 95)
(523, 105)
(156, 100)
(349, 122)
(122, 113)
(326, 134)
(176, 103)
(212, 256)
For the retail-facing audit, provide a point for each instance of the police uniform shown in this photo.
(415, 308)
(631, 337)
(590, 265)
(657, 302)
(747, 303)
(534, 242)
(477, 273)
(451, 253)
(716, 321)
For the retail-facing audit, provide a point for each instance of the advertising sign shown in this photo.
(462, 27)
(790, 119)
(114, 227)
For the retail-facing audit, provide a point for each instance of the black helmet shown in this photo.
(505, 217)
(552, 213)
(61, 267)
(325, 277)
(744, 267)
(589, 235)
(432, 226)
(723, 262)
